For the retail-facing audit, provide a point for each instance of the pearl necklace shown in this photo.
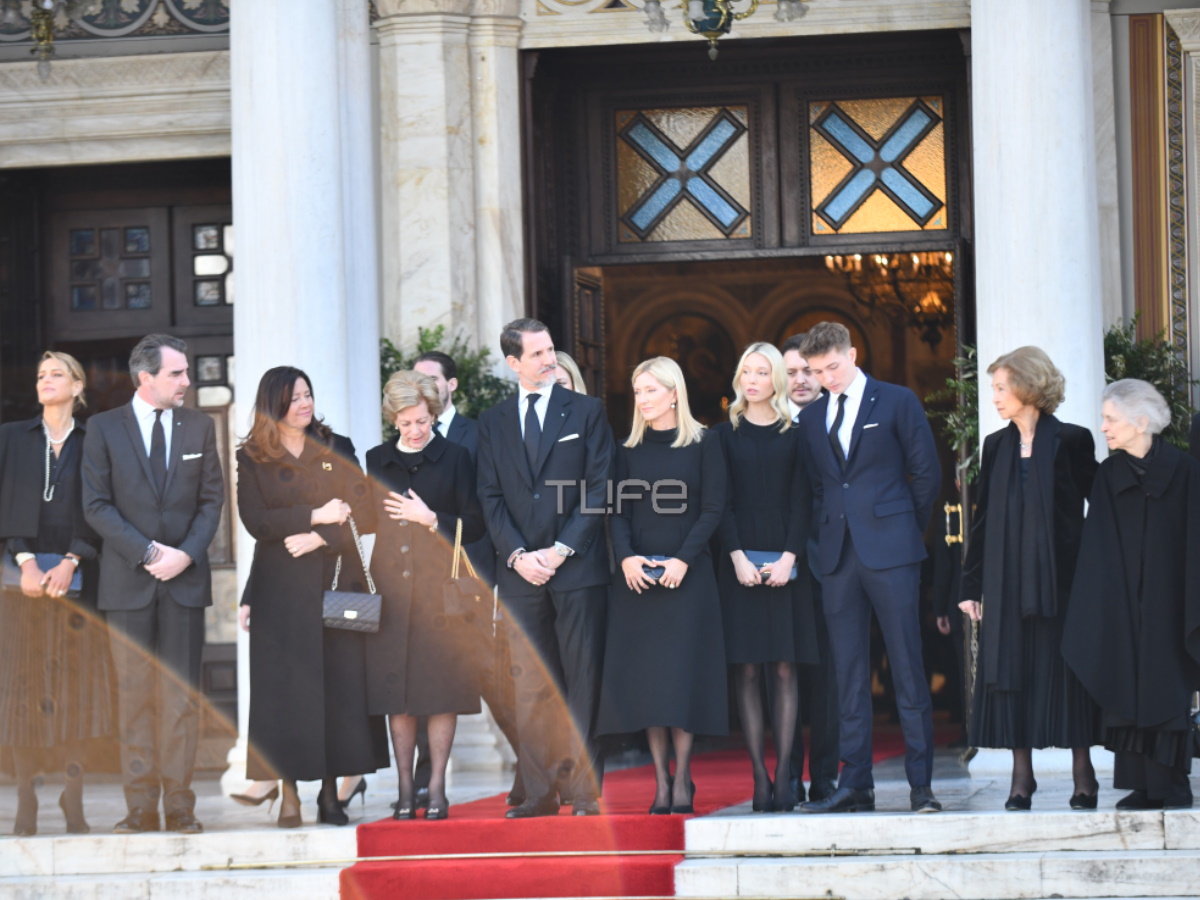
(47, 487)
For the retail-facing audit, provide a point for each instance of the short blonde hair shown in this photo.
(1032, 378)
(577, 383)
(407, 388)
(74, 369)
(666, 372)
(737, 409)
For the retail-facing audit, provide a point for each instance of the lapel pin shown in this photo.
(328, 467)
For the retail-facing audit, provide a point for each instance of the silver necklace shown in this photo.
(47, 487)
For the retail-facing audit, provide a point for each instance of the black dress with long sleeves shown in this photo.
(1021, 563)
(420, 661)
(55, 667)
(768, 507)
(664, 657)
(308, 683)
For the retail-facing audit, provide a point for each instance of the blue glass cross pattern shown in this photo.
(684, 173)
(878, 164)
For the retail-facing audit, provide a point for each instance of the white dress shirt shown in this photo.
(445, 419)
(542, 404)
(144, 413)
(854, 394)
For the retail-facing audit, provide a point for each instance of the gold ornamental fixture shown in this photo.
(713, 19)
(917, 288)
(41, 18)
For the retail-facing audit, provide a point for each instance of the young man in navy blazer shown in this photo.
(545, 458)
(874, 465)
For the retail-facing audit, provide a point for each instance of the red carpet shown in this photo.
(722, 779)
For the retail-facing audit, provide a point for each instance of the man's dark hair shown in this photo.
(445, 360)
(512, 341)
(795, 342)
(825, 337)
(147, 355)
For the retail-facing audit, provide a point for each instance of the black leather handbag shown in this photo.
(761, 558)
(349, 610)
(10, 577)
(465, 596)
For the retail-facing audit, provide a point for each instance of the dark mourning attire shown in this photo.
(1021, 563)
(767, 508)
(1132, 632)
(664, 662)
(1194, 436)
(420, 663)
(55, 668)
(308, 683)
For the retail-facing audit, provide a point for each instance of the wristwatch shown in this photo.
(563, 550)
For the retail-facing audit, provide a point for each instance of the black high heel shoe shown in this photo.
(404, 809)
(785, 800)
(766, 804)
(656, 810)
(437, 809)
(1021, 803)
(329, 809)
(690, 808)
(360, 788)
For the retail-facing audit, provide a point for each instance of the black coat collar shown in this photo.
(1160, 465)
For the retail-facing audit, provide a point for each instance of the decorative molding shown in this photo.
(128, 18)
(1148, 133)
(115, 109)
(1186, 23)
(389, 9)
(1176, 162)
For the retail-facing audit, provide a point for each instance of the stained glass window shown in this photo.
(878, 165)
(110, 270)
(212, 264)
(683, 174)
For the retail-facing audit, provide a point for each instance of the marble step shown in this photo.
(289, 884)
(962, 832)
(978, 876)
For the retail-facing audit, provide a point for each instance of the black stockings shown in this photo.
(786, 694)
(1024, 784)
(27, 763)
(660, 739)
(404, 741)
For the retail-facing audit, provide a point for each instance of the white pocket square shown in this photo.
(569, 437)
(188, 456)
(872, 425)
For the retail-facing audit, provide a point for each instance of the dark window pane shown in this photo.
(110, 297)
(137, 295)
(110, 242)
(208, 370)
(84, 269)
(83, 296)
(208, 293)
(137, 240)
(134, 268)
(206, 237)
(83, 242)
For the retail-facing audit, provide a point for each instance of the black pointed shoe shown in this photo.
(843, 799)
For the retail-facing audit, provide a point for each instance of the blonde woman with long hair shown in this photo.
(767, 612)
(664, 617)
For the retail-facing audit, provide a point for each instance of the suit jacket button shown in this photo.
(846, 486)
(842, 516)
(406, 573)
(537, 496)
(404, 549)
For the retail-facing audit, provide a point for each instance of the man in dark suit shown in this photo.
(153, 491)
(545, 458)
(1194, 436)
(875, 468)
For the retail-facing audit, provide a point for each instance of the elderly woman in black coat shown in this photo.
(1133, 629)
(1035, 476)
(423, 491)
(298, 484)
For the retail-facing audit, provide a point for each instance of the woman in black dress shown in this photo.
(423, 488)
(298, 484)
(1132, 633)
(1035, 476)
(666, 632)
(768, 616)
(55, 687)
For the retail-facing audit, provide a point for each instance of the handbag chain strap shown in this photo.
(337, 570)
(460, 553)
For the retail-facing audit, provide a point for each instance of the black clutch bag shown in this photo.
(655, 572)
(464, 596)
(350, 610)
(10, 577)
(761, 558)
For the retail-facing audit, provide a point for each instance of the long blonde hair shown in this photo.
(572, 370)
(737, 409)
(666, 372)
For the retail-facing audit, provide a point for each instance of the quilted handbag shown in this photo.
(349, 610)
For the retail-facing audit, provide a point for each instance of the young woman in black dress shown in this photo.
(768, 616)
(666, 631)
(55, 669)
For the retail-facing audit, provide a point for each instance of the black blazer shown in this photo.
(1194, 436)
(533, 511)
(465, 433)
(885, 495)
(122, 504)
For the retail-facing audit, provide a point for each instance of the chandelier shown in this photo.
(713, 19)
(916, 288)
(41, 23)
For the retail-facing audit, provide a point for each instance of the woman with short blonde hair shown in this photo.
(1032, 378)
(407, 389)
(568, 372)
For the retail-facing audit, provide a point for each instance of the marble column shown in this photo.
(1039, 277)
(1107, 194)
(304, 208)
(427, 169)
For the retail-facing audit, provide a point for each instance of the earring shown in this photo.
(672, 406)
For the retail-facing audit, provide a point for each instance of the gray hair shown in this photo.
(147, 355)
(1137, 399)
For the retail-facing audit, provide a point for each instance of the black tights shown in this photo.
(27, 763)
(1023, 782)
(404, 742)
(660, 739)
(750, 710)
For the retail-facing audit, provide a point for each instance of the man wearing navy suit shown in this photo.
(545, 458)
(875, 468)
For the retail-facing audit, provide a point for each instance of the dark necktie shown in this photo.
(533, 432)
(158, 452)
(837, 426)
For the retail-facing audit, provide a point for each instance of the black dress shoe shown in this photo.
(532, 809)
(797, 787)
(585, 807)
(184, 822)
(1138, 799)
(514, 799)
(1084, 801)
(1021, 803)
(843, 799)
(818, 790)
(138, 821)
(923, 801)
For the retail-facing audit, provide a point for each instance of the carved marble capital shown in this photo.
(498, 8)
(392, 8)
(1186, 23)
